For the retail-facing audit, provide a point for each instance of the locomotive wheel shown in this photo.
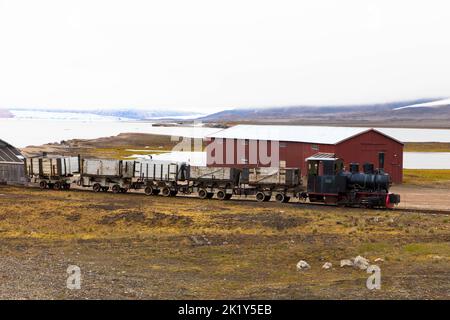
(42, 184)
(149, 191)
(97, 187)
(116, 188)
(57, 185)
(202, 194)
(260, 197)
(166, 192)
(281, 198)
(221, 195)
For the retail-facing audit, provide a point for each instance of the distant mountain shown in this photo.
(5, 113)
(400, 113)
(147, 114)
(125, 114)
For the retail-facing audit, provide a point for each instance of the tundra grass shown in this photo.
(426, 177)
(426, 147)
(156, 247)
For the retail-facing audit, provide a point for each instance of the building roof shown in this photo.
(308, 134)
(9, 154)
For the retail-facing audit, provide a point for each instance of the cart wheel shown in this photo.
(279, 197)
(221, 195)
(149, 191)
(260, 197)
(116, 188)
(202, 194)
(97, 187)
(42, 184)
(166, 191)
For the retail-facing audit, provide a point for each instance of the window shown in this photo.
(315, 147)
(381, 160)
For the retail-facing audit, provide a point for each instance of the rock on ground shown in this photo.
(303, 265)
(346, 263)
(327, 265)
(361, 263)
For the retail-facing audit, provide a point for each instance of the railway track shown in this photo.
(245, 199)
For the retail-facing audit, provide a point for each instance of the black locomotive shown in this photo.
(330, 183)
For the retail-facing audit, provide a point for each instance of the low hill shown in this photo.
(5, 113)
(387, 114)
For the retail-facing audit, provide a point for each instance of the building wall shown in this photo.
(366, 148)
(362, 148)
(12, 173)
(293, 153)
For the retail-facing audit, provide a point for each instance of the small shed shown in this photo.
(294, 144)
(12, 168)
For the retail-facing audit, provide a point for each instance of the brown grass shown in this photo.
(191, 248)
(426, 147)
(427, 178)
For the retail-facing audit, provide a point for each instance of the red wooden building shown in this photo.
(259, 145)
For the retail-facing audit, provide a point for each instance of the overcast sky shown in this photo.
(210, 55)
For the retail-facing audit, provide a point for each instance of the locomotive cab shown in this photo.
(325, 180)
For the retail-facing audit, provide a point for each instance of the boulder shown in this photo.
(361, 263)
(327, 265)
(303, 265)
(346, 263)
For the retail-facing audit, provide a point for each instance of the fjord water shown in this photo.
(22, 132)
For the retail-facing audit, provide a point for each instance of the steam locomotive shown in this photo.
(327, 181)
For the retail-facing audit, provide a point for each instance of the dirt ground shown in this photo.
(417, 197)
(137, 247)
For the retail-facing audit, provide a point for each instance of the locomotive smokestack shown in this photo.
(368, 168)
(354, 167)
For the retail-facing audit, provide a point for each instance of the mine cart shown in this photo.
(104, 174)
(158, 176)
(56, 172)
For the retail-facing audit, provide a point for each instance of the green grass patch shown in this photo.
(377, 247)
(441, 248)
